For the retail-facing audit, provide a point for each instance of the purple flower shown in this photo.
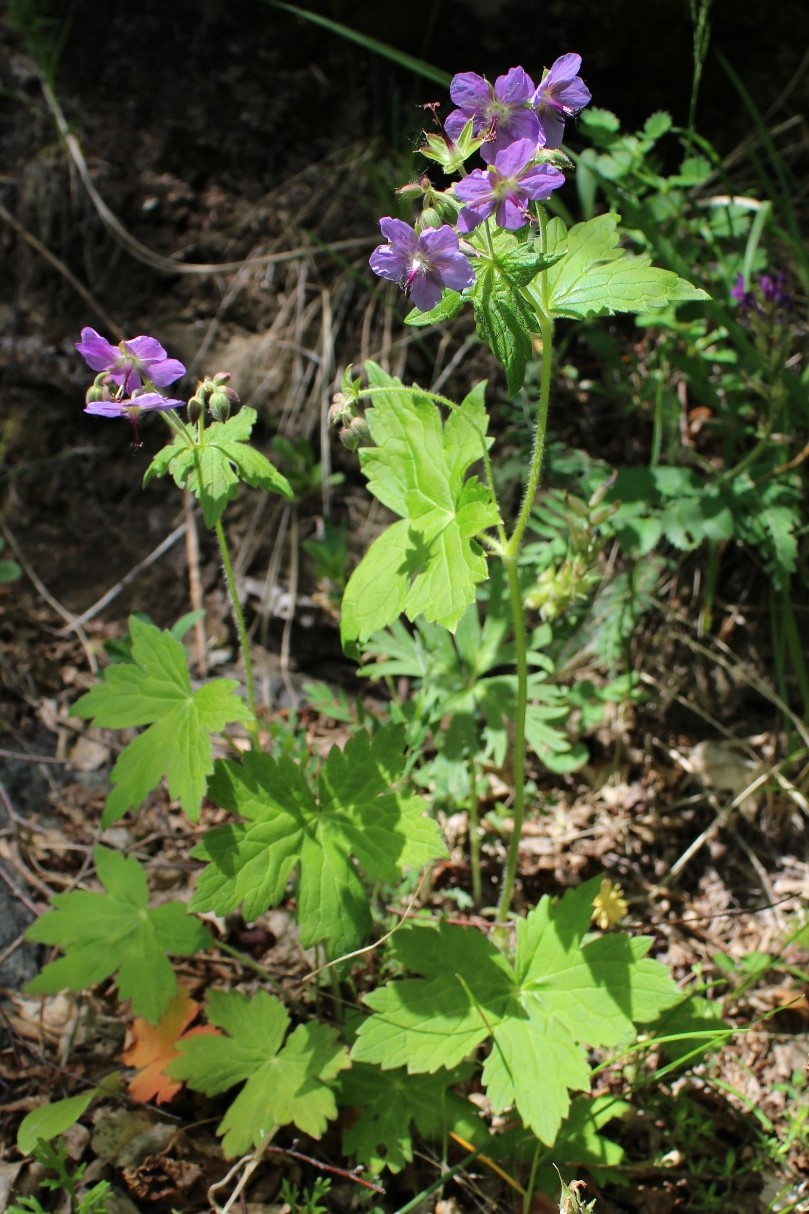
(422, 263)
(562, 94)
(131, 362)
(506, 188)
(774, 289)
(503, 112)
(146, 402)
(769, 294)
(744, 298)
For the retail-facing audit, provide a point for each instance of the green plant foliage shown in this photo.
(598, 278)
(287, 1081)
(565, 991)
(688, 509)
(467, 688)
(356, 818)
(116, 933)
(503, 317)
(387, 1104)
(212, 463)
(155, 690)
(50, 1120)
(54, 1157)
(430, 561)
(119, 649)
(10, 571)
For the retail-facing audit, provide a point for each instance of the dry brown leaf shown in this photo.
(155, 1045)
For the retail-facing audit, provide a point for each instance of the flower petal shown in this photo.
(470, 92)
(145, 349)
(96, 351)
(402, 237)
(512, 159)
(387, 263)
(164, 373)
(425, 292)
(472, 216)
(515, 88)
(540, 181)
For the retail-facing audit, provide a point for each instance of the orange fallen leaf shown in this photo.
(155, 1045)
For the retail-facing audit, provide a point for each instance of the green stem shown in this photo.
(417, 1202)
(518, 746)
(511, 559)
(230, 577)
(532, 485)
(474, 835)
(794, 647)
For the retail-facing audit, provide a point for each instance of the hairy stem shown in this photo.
(511, 563)
(236, 607)
(474, 834)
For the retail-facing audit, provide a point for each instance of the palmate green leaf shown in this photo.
(385, 1106)
(287, 1081)
(543, 1047)
(357, 821)
(565, 992)
(154, 689)
(116, 933)
(429, 562)
(212, 465)
(505, 321)
(598, 278)
(436, 1021)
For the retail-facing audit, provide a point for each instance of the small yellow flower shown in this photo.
(609, 904)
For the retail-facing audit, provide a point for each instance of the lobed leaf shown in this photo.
(597, 277)
(357, 818)
(565, 991)
(429, 562)
(285, 1081)
(154, 689)
(116, 933)
(212, 464)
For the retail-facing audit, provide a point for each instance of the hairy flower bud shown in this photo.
(355, 433)
(413, 189)
(194, 410)
(219, 405)
(341, 410)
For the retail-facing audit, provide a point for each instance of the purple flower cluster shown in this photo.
(134, 369)
(513, 108)
(506, 188)
(769, 293)
(131, 362)
(514, 119)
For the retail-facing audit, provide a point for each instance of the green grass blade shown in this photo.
(401, 58)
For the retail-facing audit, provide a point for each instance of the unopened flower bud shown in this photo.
(341, 410)
(429, 218)
(221, 377)
(413, 189)
(95, 393)
(194, 410)
(355, 432)
(219, 405)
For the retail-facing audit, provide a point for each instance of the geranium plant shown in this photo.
(522, 1006)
